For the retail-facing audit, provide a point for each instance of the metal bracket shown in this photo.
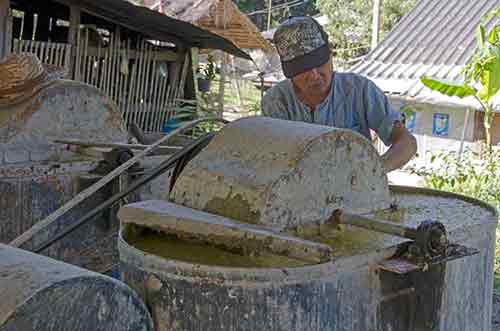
(405, 263)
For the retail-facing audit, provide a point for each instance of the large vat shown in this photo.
(39, 293)
(348, 293)
(37, 176)
(201, 266)
(31, 192)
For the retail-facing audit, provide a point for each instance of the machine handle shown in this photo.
(430, 236)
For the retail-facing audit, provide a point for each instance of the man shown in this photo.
(314, 93)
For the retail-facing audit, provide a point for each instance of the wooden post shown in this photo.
(236, 82)
(8, 33)
(424, 143)
(269, 9)
(4, 21)
(222, 83)
(195, 63)
(376, 23)
(176, 68)
(464, 132)
(74, 32)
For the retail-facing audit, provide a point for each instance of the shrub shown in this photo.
(469, 175)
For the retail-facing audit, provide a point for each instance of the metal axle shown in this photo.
(430, 236)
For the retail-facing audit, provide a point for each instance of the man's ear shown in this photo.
(332, 50)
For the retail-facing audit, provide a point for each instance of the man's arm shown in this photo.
(403, 148)
(272, 107)
(388, 125)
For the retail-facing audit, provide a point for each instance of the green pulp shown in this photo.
(172, 248)
(347, 241)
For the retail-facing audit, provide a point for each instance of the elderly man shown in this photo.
(314, 93)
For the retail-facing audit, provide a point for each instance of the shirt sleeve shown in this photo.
(270, 107)
(380, 114)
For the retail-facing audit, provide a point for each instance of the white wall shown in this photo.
(428, 143)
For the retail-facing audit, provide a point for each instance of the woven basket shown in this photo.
(23, 75)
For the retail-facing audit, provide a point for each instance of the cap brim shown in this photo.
(306, 62)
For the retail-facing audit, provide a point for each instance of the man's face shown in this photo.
(316, 81)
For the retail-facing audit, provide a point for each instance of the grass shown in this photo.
(248, 100)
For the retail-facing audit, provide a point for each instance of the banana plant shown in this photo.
(481, 73)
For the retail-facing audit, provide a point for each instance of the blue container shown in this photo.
(170, 125)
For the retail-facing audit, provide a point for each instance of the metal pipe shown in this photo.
(375, 225)
(430, 236)
(90, 144)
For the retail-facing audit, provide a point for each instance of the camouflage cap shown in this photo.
(302, 45)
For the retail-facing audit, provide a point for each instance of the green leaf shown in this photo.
(490, 79)
(493, 36)
(488, 16)
(480, 36)
(407, 110)
(448, 88)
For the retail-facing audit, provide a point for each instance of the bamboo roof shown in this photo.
(221, 17)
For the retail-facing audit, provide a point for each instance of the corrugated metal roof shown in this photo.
(436, 38)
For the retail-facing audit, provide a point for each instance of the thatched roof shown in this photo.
(221, 17)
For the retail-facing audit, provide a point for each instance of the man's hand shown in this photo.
(403, 148)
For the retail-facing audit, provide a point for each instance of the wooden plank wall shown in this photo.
(50, 53)
(135, 77)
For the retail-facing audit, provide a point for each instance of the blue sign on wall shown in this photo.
(440, 124)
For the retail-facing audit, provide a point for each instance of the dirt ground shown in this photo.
(496, 312)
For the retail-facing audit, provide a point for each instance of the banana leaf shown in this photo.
(448, 88)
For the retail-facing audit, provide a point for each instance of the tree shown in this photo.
(481, 73)
(393, 11)
(281, 10)
(350, 22)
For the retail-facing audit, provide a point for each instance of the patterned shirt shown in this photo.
(354, 102)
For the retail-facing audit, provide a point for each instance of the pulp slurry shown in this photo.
(172, 248)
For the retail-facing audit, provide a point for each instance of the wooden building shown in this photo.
(140, 58)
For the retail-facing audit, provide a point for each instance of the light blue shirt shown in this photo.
(354, 103)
